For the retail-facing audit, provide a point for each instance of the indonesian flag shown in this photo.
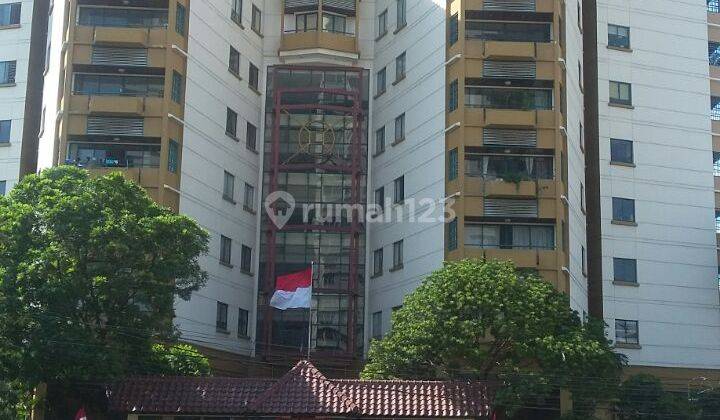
(81, 415)
(293, 290)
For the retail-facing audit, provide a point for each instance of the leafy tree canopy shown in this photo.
(89, 271)
(485, 320)
(643, 397)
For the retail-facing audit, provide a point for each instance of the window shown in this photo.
(380, 140)
(452, 235)
(122, 17)
(3, 187)
(236, 12)
(508, 31)
(234, 61)
(5, 126)
(118, 85)
(246, 259)
(177, 87)
(380, 82)
(225, 250)
(580, 75)
(399, 190)
(508, 98)
(715, 108)
(400, 62)
(623, 210)
(453, 164)
(380, 197)
(501, 166)
(306, 22)
(251, 137)
(579, 16)
(180, 16)
(713, 6)
(242, 330)
(377, 325)
(10, 14)
(382, 23)
(256, 19)
(398, 254)
(583, 261)
(400, 128)
(7, 72)
(618, 36)
(231, 123)
(249, 198)
(254, 77)
(626, 332)
(625, 270)
(621, 151)
(221, 317)
(714, 53)
(334, 23)
(581, 135)
(453, 29)
(378, 262)
(717, 221)
(716, 158)
(229, 186)
(173, 154)
(506, 236)
(453, 96)
(401, 13)
(620, 93)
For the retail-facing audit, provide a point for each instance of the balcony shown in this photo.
(311, 32)
(294, 42)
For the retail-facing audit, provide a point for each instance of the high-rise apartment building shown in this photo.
(538, 131)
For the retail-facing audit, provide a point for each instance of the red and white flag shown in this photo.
(293, 290)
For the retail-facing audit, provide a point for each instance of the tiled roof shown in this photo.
(301, 391)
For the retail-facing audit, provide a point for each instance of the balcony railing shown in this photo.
(126, 85)
(516, 168)
(122, 17)
(111, 155)
(510, 236)
(508, 98)
(713, 6)
(508, 31)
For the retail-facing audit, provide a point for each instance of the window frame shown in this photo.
(236, 12)
(397, 255)
(234, 61)
(14, 12)
(619, 100)
(251, 136)
(380, 193)
(625, 323)
(401, 14)
(225, 251)
(400, 66)
(618, 36)
(617, 262)
(10, 71)
(231, 118)
(5, 127)
(176, 90)
(399, 190)
(243, 323)
(256, 21)
(615, 147)
(228, 193)
(380, 140)
(620, 205)
(378, 262)
(382, 24)
(180, 19)
(173, 156)
(376, 326)
(246, 259)
(249, 197)
(381, 81)
(254, 77)
(399, 128)
(453, 96)
(221, 317)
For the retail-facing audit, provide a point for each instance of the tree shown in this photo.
(90, 268)
(642, 397)
(179, 359)
(485, 320)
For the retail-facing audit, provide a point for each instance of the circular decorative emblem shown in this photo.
(316, 138)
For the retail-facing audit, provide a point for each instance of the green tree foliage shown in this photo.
(485, 320)
(89, 271)
(643, 397)
(179, 359)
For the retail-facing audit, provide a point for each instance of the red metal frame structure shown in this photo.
(356, 168)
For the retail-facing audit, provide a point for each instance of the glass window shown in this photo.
(242, 330)
(177, 87)
(401, 13)
(453, 96)
(122, 17)
(128, 85)
(713, 6)
(509, 167)
(306, 22)
(221, 316)
(5, 126)
(231, 123)
(714, 53)
(382, 23)
(236, 11)
(625, 269)
(398, 254)
(510, 236)
(621, 151)
(626, 332)
(623, 209)
(234, 61)
(229, 186)
(453, 164)
(452, 235)
(254, 77)
(380, 82)
(225, 250)
(399, 190)
(180, 14)
(7, 72)
(173, 155)
(453, 29)
(717, 221)
(3, 187)
(378, 262)
(377, 325)
(256, 19)
(400, 128)
(714, 105)
(380, 140)
(251, 140)
(508, 98)
(716, 161)
(10, 14)
(246, 259)
(400, 67)
(334, 23)
(249, 199)
(113, 155)
(380, 197)
(618, 36)
(508, 31)
(620, 93)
